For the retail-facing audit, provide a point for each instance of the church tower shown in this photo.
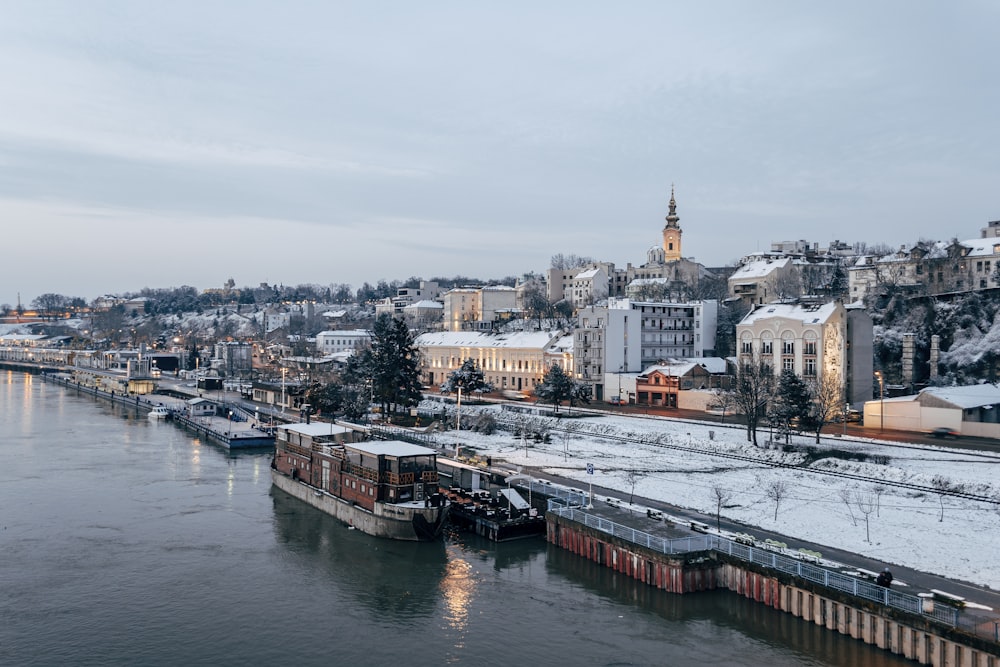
(672, 233)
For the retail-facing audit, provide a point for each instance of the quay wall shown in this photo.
(912, 636)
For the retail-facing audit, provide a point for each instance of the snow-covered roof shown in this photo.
(807, 314)
(758, 268)
(968, 396)
(391, 448)
(980, 247)
(586, 275)
(679, 369)
(563, 344)
(425, 303)
(521, 339)
(315, 429)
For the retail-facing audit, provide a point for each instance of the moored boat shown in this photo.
(383, 488)
(159, 412)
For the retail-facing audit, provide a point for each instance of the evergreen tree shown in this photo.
(392, 365)
(468, 378)
(557, 386)
(793, 402)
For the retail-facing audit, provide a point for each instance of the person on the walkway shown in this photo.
(884, 578)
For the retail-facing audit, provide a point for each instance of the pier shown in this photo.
(684, 557)
(235, 430)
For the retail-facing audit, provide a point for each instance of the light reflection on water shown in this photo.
(126, 542)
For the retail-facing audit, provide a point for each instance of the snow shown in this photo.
(943, 535)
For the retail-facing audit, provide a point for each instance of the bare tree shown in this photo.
(751, 393)
(776, 491)
(942, 485)
(879, 491)
(721, 496)
(633, 476)
(865, 503)
(828, 401)
(845, 495)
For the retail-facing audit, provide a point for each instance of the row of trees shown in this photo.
(785, 402)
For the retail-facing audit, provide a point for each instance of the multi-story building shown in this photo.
(515, 361)
(335, 342)
(764, 277)
(479, 308)
(405, 296)
(627, 336)
(814, 340)
(931, 268)
(581, 285)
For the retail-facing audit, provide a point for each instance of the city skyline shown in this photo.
(163, 145)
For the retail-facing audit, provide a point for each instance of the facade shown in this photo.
(350, 340)
(234, 357)
(405, 296)
(626, 336)
(931, 268)
(672, 330)
(662, 385)
(478, 308)
(763, 277)
(515, 361)
(814, 340)
(581, 285)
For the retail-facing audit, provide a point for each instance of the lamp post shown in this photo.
(881, 399)
(283, 371)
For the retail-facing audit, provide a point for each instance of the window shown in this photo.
(765, 347)
(788, 347)
(788, 364)
(747, 347)
(809, 368)
(809, 347)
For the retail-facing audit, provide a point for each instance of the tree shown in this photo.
(776, 491)
(828, 401)
(751, 393)
(721, 496)
(468, 378)
(392, 364)
(792, 402)
(325, 397)
(866, 505)
(556, 386)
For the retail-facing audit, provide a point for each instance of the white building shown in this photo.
(333, 342)
(516, 361)
(813, 340)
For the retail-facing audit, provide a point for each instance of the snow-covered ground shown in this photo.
(944, 535)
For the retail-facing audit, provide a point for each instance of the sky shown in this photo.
(185, 143)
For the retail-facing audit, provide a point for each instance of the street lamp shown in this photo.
(881, 399)
(283, 371)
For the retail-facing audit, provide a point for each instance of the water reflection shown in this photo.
(721, 609)
(392, 580)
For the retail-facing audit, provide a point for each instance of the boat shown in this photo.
(159, 412)
(382, 488)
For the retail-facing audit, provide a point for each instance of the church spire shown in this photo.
(672, 232)
(672, 217)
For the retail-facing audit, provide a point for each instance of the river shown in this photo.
(127, 541)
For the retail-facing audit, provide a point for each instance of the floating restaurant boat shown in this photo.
(383, 488)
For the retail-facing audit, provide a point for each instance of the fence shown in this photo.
(768, 559)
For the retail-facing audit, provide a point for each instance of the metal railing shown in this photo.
(768, 559)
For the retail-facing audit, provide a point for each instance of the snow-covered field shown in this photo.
(944, 535)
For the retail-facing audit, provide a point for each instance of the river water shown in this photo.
(126, 541)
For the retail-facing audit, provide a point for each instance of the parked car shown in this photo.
(616, 400)
(944, 432)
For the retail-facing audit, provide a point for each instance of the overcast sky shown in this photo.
(175, 143)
